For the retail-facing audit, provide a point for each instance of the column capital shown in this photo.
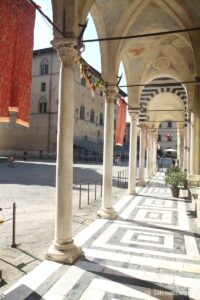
(67, 50)
(152, 131)
(143, 126)
(111, 95)
(133, 112)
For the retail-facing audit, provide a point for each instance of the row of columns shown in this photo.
(63, 248)
(186, 145)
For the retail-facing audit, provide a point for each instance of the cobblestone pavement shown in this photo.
(151, 251)
(31, 185)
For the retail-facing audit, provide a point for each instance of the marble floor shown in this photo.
(151, 251)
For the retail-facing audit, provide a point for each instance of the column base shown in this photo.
(107, 213)
(141, 183)
(131, 193)
(67, 253)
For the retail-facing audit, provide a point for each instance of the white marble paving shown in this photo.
(167, 243)
(143, 261)
(154, 215)
(64, 284)
(147, 238)
(98, 288)
(191, 245)
(183, 222)
(89, 231)
(127, 211)
(142, 215)
(161, 203)
(158, 277)
(141, 246)
(31, 281)
(149, 252)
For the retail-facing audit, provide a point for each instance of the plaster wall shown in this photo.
(42, 133)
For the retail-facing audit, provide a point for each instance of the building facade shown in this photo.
(41, 136)
(167, 137)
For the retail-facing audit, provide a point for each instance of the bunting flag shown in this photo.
(121, 123)
(17, 19)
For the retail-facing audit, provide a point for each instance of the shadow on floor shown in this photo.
(22, 292)
(160, 227)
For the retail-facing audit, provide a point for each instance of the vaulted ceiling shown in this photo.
(175, 56)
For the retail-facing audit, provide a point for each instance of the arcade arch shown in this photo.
(145, 58)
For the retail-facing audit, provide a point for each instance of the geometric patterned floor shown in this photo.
(151, 251)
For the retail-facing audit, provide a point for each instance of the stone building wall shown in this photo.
(42, 133)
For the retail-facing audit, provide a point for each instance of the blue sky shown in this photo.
(43, 36)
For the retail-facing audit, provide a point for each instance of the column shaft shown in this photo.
(107, 210)
(142, 156)
(185, 155)
(150, 156)
(63, 248)
(155, 145)
(181, 152)
(196, 144)
(132, 153)
(192, 143)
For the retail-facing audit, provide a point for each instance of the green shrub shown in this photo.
(175, 177)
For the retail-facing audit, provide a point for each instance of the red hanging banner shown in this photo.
(121, 123)
(17, 19)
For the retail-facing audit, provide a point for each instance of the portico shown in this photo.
(150, 61)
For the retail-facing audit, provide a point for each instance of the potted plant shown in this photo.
(175, 177)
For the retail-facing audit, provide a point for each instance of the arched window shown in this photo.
(43, 105)
(92, 116)
(101, 119)
(82, 112)
(44, 67)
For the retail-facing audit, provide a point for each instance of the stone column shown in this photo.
(132, 152)
(155, 145)
(63, 248)
(107, 211)
(178, 145)
(185, 153)
(192, 137)
(196, 140)
(196, 144)
(142, 155)
(188, 142)
(150, 155)
(181, 150)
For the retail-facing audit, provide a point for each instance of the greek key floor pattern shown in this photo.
(150, 252)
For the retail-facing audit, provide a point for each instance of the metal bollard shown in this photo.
(88, 193)
(80, 197)
(13, 227)
(95, 190)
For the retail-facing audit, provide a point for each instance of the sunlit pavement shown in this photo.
(150, 252)
(31, 185)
